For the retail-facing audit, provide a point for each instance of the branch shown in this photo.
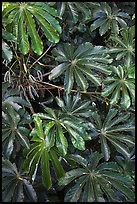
(41, 56)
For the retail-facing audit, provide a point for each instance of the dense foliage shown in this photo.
(68, 102)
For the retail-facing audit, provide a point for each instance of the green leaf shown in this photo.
(46, 7)
(115, 95)
(97, 23)
(46, 178)
(51, 112)
(105, 148)
(112, 166)
(31, 153)
(125, 101)
(97, 119)
(108, 191)
(71, 175)
(104, 27)
(118, 40)
(6, 52)
(122, 23)
(68, 80)
(37, 45)
(60, 102)
(8, 146)
(120, 147)
(8, 36)
(8, 193)
(48, 127)
(115, 28)
(22, 37)
(109, 89)
(96, 157)
(74, 193)
(90, 76)
(39, 128)
(123, 188)
(111, 114)
(124, 127)
(129, 140)
(62, 8)
(88, 194)
(79, 159)
(106, 8)
(76, 139)
(80, 80)
(23, 139)
(74, 12)
(34, 164)
(50, 33)
(56, 164)
(18, 193)
(58, 70)
(29, 190)
(123, 14)
(61, 141)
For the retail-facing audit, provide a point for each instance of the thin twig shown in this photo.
(41, 56)
(31, 108)
(44, 65)
(62, 88)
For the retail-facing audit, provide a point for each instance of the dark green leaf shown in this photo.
(56, 164)
(46, 178)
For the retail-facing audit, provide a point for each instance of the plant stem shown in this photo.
(41, 56)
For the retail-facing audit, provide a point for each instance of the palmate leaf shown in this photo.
(98, 183)
(72, 9)
(121, 87)
(15, 185)
(111, 131)
(80, 65)
(62, 121)
(74, 193)
(8, 36)
(6, 52)
(107, 17)
(22, 14)
(41, 152)
(14, 120)
(124, 46)
(10, 96)
(74, 106)
(13, 129)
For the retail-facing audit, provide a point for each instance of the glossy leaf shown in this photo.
(109, 132)
(76, 129)
(13, 130)
(61, 141)
(107, 17)
(119, 84)
(46, 179)
(22, 37)
(76, 64)
(23, 14)
(56, 164)
(124, 46)
(40, 152)
(17, 186)
(6, 52)
(73, 9)
(93, 183)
